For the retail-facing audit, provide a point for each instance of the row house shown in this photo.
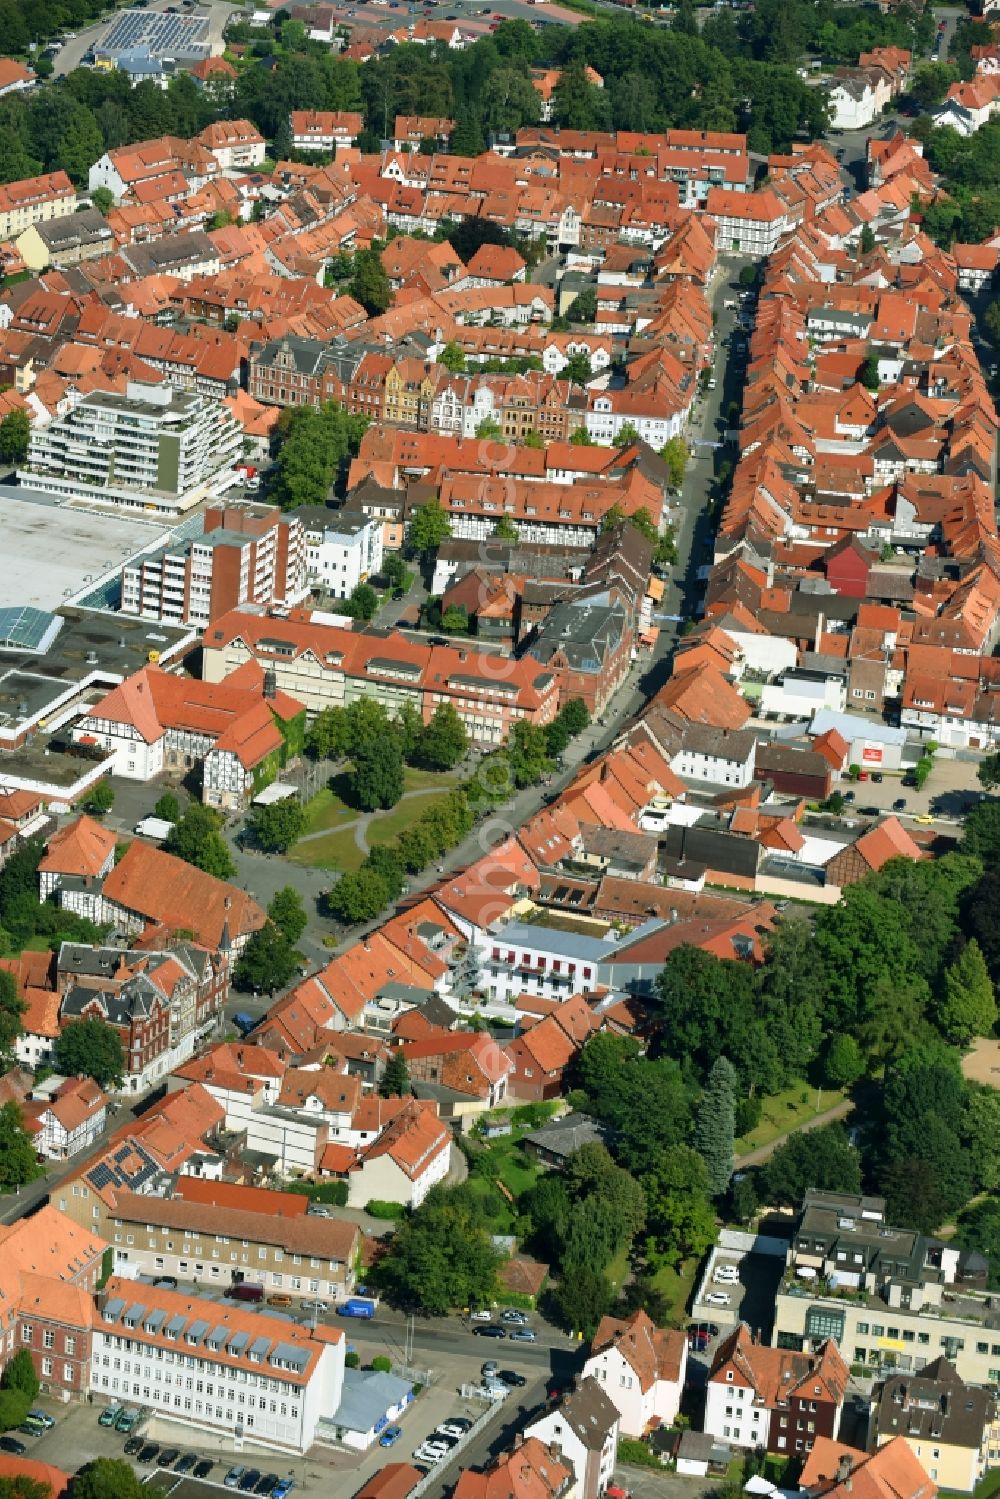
(748, 224)
(323, 130)
(51, 1270)
(774, 1398)
(35, 200)
(329, 666)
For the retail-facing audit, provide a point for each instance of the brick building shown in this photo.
(247, 554)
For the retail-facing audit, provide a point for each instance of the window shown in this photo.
(46, 1366)
(48, 1338)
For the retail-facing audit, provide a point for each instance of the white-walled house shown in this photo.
(641, 1368)
(584, 1427)
(410, 1156)
(68, 1115)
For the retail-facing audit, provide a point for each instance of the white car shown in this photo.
(432, 1452)
(480, 1316)
(726, 1274)
(717, 1298)
(314, 1306)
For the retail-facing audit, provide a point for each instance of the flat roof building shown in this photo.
(153, 450)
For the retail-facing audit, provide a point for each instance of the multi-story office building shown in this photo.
(216, 1368)
(891, 1297)
(248, 554)
(341, 551)
(154, 449)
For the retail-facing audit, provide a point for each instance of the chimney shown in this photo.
(227, 902)
(844, 1467)
(819, 632)
(270, 682)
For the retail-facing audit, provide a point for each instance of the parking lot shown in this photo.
(749, 1298)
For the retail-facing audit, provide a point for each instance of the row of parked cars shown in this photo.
(436, 1447)
(512, 1324)
(127, 1418)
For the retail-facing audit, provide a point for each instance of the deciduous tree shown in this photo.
(90, 1048)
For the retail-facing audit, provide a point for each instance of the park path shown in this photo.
(360, 823)
(764, 1152)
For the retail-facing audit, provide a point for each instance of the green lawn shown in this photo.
(676, 1286)
(329, 814)
(786, 1111)
(335, 850)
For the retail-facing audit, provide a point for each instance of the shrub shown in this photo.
(637, 1453)
(382, 1364)
(333, 1193)
(387, 1210)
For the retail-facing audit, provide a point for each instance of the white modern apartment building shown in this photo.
(214, 1368)
(341, 551)
(153, 449)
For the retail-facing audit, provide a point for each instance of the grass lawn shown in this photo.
(328, 813)
(676, 1286)
(786, 1111)
(335, 850)
(326, 810)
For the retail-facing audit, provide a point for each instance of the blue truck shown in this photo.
(244, 1023)
(356, 1307)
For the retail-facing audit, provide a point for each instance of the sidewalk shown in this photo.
(764, 1152)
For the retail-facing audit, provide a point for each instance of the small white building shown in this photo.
(411, 1155)
(641, 1368)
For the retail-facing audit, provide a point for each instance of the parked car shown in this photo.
(203, 1467)
(725, 1275)
(481, 1316)
(390, 1436)
(452, 1428)
(492, 1331)
(517, 1319)
(168, 1282)
(850, 797)
(149, 1451)
(877, 777)
(699, 1341)
(233, 1477)
(185, 1462)
(168, 1457)
(717, 1298)
(13, 1446)
(314, 1306)
(432, 1452)
(522, 1335)
(284, 1488)
(282, 1299)
(134, 1446)
(42, 1417)
(490, 1369)
(899, 805)
(267, 1484)
(513, 1379)
(110, 1416)
(249, 1481)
